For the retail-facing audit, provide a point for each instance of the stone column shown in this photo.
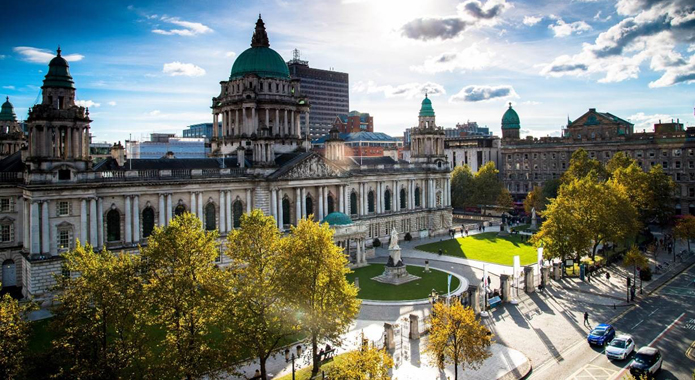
(236, 123)
(298, 125)
(303, 199)
(128, 221)
(358, 256)
(35, 228)
(192, 205)
(222, 225)
(136, 218)
(93, 222)
(83, 222)
(396, 196)
(26, 243)
(280, 210)
(162, 211)
(244, 121)
(249, 207)
(414, 327)
(200, 207)
(529, 280)
(214, 124)
(506, 287)
(100, 221)
(274, 204)
(320, 191)
(230, 224)
(298, 205)
(377, 198)
(389, 341)
(284, 129)
(325, 201)
(45, 233)
(254, 122)
(306, 120)
(169, 209)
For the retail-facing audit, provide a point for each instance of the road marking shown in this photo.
(655, 310)
(638, 323)
(664, 331)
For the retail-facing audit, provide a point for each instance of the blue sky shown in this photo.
(151, 66)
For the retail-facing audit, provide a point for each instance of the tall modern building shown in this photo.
(327, 90)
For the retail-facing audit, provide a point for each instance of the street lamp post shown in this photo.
(290, 357)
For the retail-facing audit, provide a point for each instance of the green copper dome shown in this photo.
(58, 73)
(260, 59)
(510, 120)
(7, 113)
(426, 108)
(337, 219)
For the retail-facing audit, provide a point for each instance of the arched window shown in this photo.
(113, 226)
(370, 201)
(237, 211)
(147, 222)
(309, 206)
(417, 197)
(179, 210)
(210, 221)
(286, 215)
(387, 200)
(403, 199)
(353, 203)
(331, 205)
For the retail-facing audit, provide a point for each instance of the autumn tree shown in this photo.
(365, 363)
(534, 200)
(581, 165)
(685, 229)
(317, 286)
(14, 336)
(461, 186)
(261, 318)
(487, 186)
(184, 289)
(457, 337)
(661, 187)
(505, 200)
(100, 317)
(634, 258)
(563, 233)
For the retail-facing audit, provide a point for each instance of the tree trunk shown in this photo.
(456, 370)
(314, 354)
(261, 360)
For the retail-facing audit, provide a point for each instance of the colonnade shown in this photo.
(246, 120)
(360, 248)
(59, 141)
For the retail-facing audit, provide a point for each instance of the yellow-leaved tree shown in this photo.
(261, 318)
(366, 363)
(14, 336)
(457, 337)
(634, 258)
(316, 285)
(184, 290)
(685, 229)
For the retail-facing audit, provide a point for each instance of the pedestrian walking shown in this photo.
(608, 276)
(466, 231)
(586, 319)
(632, 293)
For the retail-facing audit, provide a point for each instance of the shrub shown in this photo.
(407, 237)
(645, 274)
(376, 243)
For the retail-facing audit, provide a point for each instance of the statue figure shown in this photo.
(533, 213)
(393, 244)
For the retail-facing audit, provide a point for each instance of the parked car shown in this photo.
(647, 361)
(620, 347)
(601, 334)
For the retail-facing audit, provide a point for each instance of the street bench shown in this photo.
(495, 301)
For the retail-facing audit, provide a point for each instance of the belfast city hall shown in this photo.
(53, 195)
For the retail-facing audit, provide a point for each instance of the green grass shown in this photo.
(305, 373)
(486, 247)
(414, 290)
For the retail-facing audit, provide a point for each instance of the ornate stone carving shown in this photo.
(313, 167)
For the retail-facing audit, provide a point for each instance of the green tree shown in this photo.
(457, 337)
(534, 199)
(581, 165)
(487, 186)
(261, 316)
(100, 316)
(685, 229)
(14, 334)
(184, 289)
(563, 233)
(461, 186)
(636, 259)
(619, 161)
(366, 363)
(661, 187)
(317, 286)
(550, 190)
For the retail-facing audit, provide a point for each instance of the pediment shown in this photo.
(314, 166)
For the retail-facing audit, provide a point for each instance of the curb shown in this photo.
(517, 374)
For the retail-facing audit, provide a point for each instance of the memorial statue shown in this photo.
(533, 213)
(394, 250)
(393, 244)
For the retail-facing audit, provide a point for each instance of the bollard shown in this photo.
(389, 342)
(505, 287)
(529, 280)
(414, 327)
(357, 283)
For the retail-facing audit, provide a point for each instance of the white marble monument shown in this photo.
(395, 272)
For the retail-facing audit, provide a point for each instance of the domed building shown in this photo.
(51, 195)
(511, 126)
(11, 136)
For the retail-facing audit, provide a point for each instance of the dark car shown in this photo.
(601, 334)
(647, 361)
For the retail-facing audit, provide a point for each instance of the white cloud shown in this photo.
(531, 103)
(154, 113)
(229, 54)
(36, 55)
(563, 29)
(408, 90)
(182, 69)
(8, 87)
(647, 122)
(531, 20)
(475, 93)
(189, 28)
(470, 58)
(597, 17)
(87, 103)
(111, 103)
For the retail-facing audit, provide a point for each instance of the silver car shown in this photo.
(620, 348)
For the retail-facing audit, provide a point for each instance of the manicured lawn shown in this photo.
(486, 247)
(414, 290)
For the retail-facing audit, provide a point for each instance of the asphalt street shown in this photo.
(665, 320)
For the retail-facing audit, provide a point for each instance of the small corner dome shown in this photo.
(58, 73)
(426, 108)
(510, 119)
(7, 113)
(337, 219)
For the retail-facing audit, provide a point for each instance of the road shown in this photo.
(665, 320)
